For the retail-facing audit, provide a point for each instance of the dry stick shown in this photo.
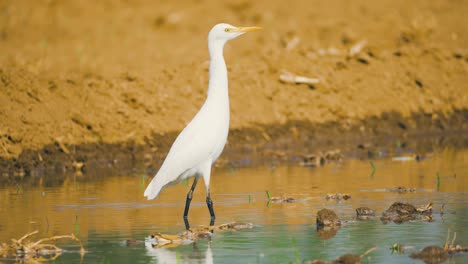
(447, 239)
(50, 248)
(368, 252)
(19, 241)
(453, 240)
(442, 209)
(72, 237)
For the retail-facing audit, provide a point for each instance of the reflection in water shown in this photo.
(172, 255)
(327, 232)
(106, 210)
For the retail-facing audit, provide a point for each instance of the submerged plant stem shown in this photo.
(373, 168)
(438, 181)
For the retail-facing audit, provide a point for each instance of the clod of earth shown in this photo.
(401, 189)
(327, 217)
(364, 213)
(338, 196)
(431, 254)
(402, 212)
(194, 234)
(348, 259)
(30, 251)
(344, 259)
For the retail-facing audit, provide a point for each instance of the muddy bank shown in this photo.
(373, 138)
(110, 83)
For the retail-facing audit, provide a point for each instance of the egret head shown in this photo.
(221, 33)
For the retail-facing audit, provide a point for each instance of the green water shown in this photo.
(105, 212)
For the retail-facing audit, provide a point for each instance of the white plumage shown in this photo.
(201, 142)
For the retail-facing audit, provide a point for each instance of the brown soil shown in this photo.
(327, 217)
(431, 254)
(109, 79)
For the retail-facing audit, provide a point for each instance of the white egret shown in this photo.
(201, 142)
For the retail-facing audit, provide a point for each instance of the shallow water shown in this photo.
(106, 211)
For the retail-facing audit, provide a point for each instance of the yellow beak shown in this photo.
(245, 29)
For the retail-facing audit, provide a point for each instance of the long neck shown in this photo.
(218, 84)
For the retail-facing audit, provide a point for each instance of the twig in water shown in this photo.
(368, 251)
(453, 240)
(19, 241)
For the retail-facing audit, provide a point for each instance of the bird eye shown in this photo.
(227, 29)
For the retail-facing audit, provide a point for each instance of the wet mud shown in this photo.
(369, 139)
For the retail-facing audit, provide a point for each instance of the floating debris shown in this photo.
(235, 226)
(436, 254)
(278, 199)
(431, 254)
(338, 196)
(35, 251)
(452, 248)
(283, 199)
(287, 77)
(333, 155)
(132, 242)
(364, 213)
(425, 209)
(403, 212)
(344, 259)
(186, 237)
(416, 157)
(327, 217)
(401, 189)
(193, 234)
(320, 159)
(312, 160)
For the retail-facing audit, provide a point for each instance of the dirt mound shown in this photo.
(106, 73)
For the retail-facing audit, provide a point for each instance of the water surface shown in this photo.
(106, 211)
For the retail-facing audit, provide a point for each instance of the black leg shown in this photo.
(187, 203)
(209, 203)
